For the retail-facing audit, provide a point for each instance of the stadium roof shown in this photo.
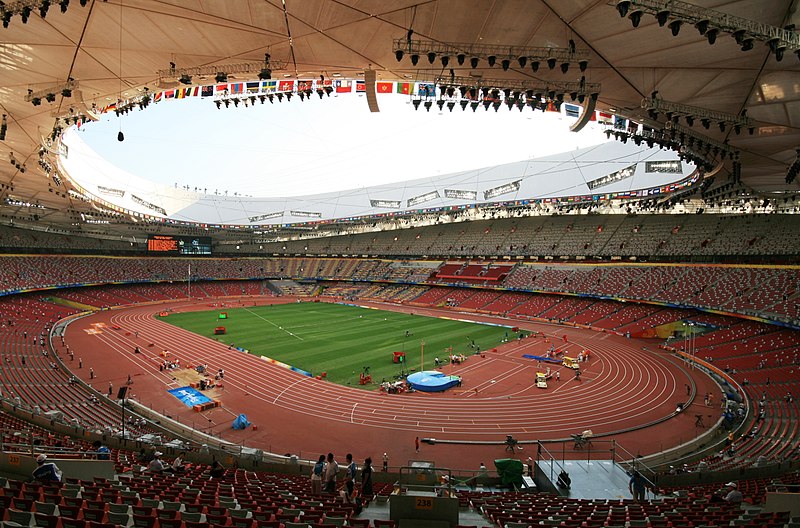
(113, 50)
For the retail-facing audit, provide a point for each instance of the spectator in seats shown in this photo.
(732, 493)
(350, 477)
(101, 452)
(637, 486)
(331, 471)
(177, 465)
(366, 480)
(316, 476)
(217, 470)
(157, 465)
(46, 472)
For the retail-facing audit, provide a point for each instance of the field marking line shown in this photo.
(273, 324)
(353, 411)
(278, 397)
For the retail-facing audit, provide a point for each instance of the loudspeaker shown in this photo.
(370, 76)
(122, 392)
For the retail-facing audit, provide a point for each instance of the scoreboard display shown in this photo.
(178, 245)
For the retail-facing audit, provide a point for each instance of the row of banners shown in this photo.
(342, 86)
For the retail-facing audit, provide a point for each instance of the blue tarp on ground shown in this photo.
(240, 422)
(189, 396)
(432, 381)
(542, 358)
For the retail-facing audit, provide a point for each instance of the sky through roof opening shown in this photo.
(321, 145)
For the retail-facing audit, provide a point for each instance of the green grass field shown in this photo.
(340, 340)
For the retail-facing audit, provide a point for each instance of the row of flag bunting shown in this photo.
(340, 86)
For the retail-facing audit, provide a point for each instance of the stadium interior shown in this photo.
(700, 274)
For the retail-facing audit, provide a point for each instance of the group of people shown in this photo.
(325, 473)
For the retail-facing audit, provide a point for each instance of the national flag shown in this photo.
(360, 86)
(169, 94)
(571, 110)
(425, 89)
(324, 83)
(384, 87)
(110, 108)
(404, 88)
(221, 88)
(620, 122)
(252, 87)
(343, 86)
(286, 86)
(305, 86)
(633, 127)
(180, 93)
(207, 91)
(604, 118)
(269, 86)
(195, 91)
(237, 88)
(593, 117)
(157, 97)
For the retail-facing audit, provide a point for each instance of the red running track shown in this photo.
(627, 383)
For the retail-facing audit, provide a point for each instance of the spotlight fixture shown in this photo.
(564, 67)
(399, 55)
(535, 66)
(711, 24)
(36, 101)
(66, 92)
(219, 72)
(64, 5)
(491, 53)
(50, 97)
(702, 26)
(551, 63)
(120, 136)
(25, 14)
(3, 128)
(674, 111)
(185, 79)
(44, 7)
